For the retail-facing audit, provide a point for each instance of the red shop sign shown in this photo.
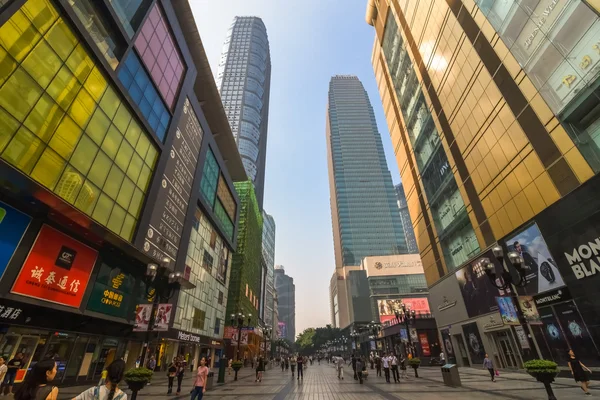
(57, 269)
(424, 344)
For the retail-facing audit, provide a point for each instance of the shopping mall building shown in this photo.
(494, 113)
(115, 154)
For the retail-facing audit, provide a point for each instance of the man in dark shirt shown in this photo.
(300, 362)
(13, 366)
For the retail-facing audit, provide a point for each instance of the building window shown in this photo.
(198, 319)
(220, 297)
(207, 261)
(226, 198)
(142, 91)
(222, 216)
(63, 124)
(210, 177)
(131, 13)
(213, 239)
(217, 326)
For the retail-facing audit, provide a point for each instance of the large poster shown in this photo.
(447, 340)
(529, 309)
(476, 288)
(474, 343)
(508, 310)
(576, 332)
(13, 224)
(57, 269)
(388, 307)
(163, 317)
(142, 317)
(554, 335)
(542, 272)
(112, 292)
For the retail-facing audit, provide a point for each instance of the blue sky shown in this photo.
(311, 40)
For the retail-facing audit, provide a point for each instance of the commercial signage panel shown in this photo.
(404, 264)
(142, 317)
(57, 269)
(13, 224)
(474, 343)
(529, 310)
(112, 293)
(388, 307)
(508, 310)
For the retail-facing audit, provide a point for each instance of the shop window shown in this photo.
(207, 261)
(198, 319)
(65, 126)
(210, 177)
(131, 13)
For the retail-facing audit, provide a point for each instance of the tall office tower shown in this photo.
(493, 112)
(365, 215)
(286, 304)
(244, 81)
(268, 266)
(409, 232)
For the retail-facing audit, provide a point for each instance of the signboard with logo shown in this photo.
(424, 344)
(13, 224)
(187, 336)
(57, 269)
(529, 309)
(447, 302)
(402, 264)
(553, 297)
(388, 308)
(112, 293)
(142, 317)
(508, 310)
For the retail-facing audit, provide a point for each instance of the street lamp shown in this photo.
(507, 280)
(267, 334)
(237, 321)
(406, 316)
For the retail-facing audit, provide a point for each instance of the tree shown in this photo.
(311, 340)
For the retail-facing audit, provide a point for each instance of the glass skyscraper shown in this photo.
(268, 266)
(244, 80)
(409, 232)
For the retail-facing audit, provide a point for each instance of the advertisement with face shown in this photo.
(474, 343)
(576, 332)
(476, 288)
(388, 307)
(542, 272)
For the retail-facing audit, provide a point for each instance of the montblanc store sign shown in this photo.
(584, 259)
(553, 297)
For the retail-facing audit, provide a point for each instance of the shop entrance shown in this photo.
(462, 351)
(506, 351)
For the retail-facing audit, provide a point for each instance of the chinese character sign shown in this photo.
(57, 269)
(142, 317)
(163, 316)
(424, 344)
(112, 293)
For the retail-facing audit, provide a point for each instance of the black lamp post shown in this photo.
(406, 316)
(267, 335)
(374, 329)
(237, 321)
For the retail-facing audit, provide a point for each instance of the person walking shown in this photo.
(200, 381)
(386, 367)
(3, 369)
(282, 365)
(293, 365)
(229, 366)
(339, 363)
(13, 367)
(359, 369)
(403, 366)
(378, 365)
(171, 374)
(354, 359)
(394, 362)
(180, 373)
(578, 370)
(36, 385)
(489, 365)
(443, 358)
(260, 368)
(300, 367)
(287, 363)
(109, 390)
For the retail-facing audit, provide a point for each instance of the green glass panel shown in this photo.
(19, 94)
(82, 108)
(112, 141)
(98, 126)
(65, 138)
(41, 12)
(61, 39)
(144, 178)
(8, 126)
(48, 168)
(18, 36)
(142, 146)
(84, 155)
(122, 118)
(96, 84)
(64, 87)
(151, 156)
(135, 167)
(136, 202)
(124, 197)
(87, 198)
(124, 155)
(69, 184)
(133, 132)
(7, 65)
(23, 150)
(128, 227)
(113, 182)
(42, 63)
(44, 118)
(110, 102)
(80, 63)
(100, 169)
(103, 208)
(115, 222)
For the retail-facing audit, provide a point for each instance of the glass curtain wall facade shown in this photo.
(244, 80)
(286, 303)
(268, 262)
(409, 233)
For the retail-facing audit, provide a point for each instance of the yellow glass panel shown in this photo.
(113, 182)
(69, 184)
(82, 108)
(8, 126)
(96, 84)
(84, 155)
(142, 146)
(87, 198)
(136, 202)
(128, 227)
(100, 169)
(44, 118)
(135, 167)
(7, 65)
(42, 63)
(61, 39)
(48, 168)
(112, 141)
(41, 13)
(125, 193)
(110, 102)
(19, 94)
(124, 155)
(122, 118)
(103, 208)
(115, 222)
(133, 132)
(98, 126)
(64, 87)
(80, 63)
(18, 35)
(65, 138)
(144, 178)
(23, 150)
(151, 156)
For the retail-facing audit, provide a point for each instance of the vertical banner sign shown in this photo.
(12, 227)
(170, 205)
(522, 337)
(57, 269)
(142, 317)
(529, 309)
(163, 317)
(424, 344)
(447, 342)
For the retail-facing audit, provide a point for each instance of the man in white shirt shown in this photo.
(394, 362)
(339, 363)
(442, 358)
(386, 367)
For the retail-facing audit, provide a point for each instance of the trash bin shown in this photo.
(210, 380)
(450, 375)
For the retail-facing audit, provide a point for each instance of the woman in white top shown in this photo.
(3, 369)
(110, 390)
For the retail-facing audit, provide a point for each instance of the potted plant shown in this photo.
(236, 365)
(136, 379)
(415, 363)
(543, 371)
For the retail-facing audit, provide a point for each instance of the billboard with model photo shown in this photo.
(542, 272)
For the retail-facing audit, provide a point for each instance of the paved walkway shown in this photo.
(321, 383)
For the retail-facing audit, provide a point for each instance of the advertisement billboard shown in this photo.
(163, 317)
(56, 270)
(401, 264)
(13, 224)
(474, 343)
(446, 339)
(388, 307)
(424, 344)
(508, 310)
(142, 317)
(112, 293)
(281, 330)
(529, 309)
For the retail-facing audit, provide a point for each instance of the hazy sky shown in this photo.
(311, 40)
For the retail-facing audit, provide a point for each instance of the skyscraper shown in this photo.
(268, 265)
(244, 80)
(409, 232)
(365, 215)
(286, 303)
